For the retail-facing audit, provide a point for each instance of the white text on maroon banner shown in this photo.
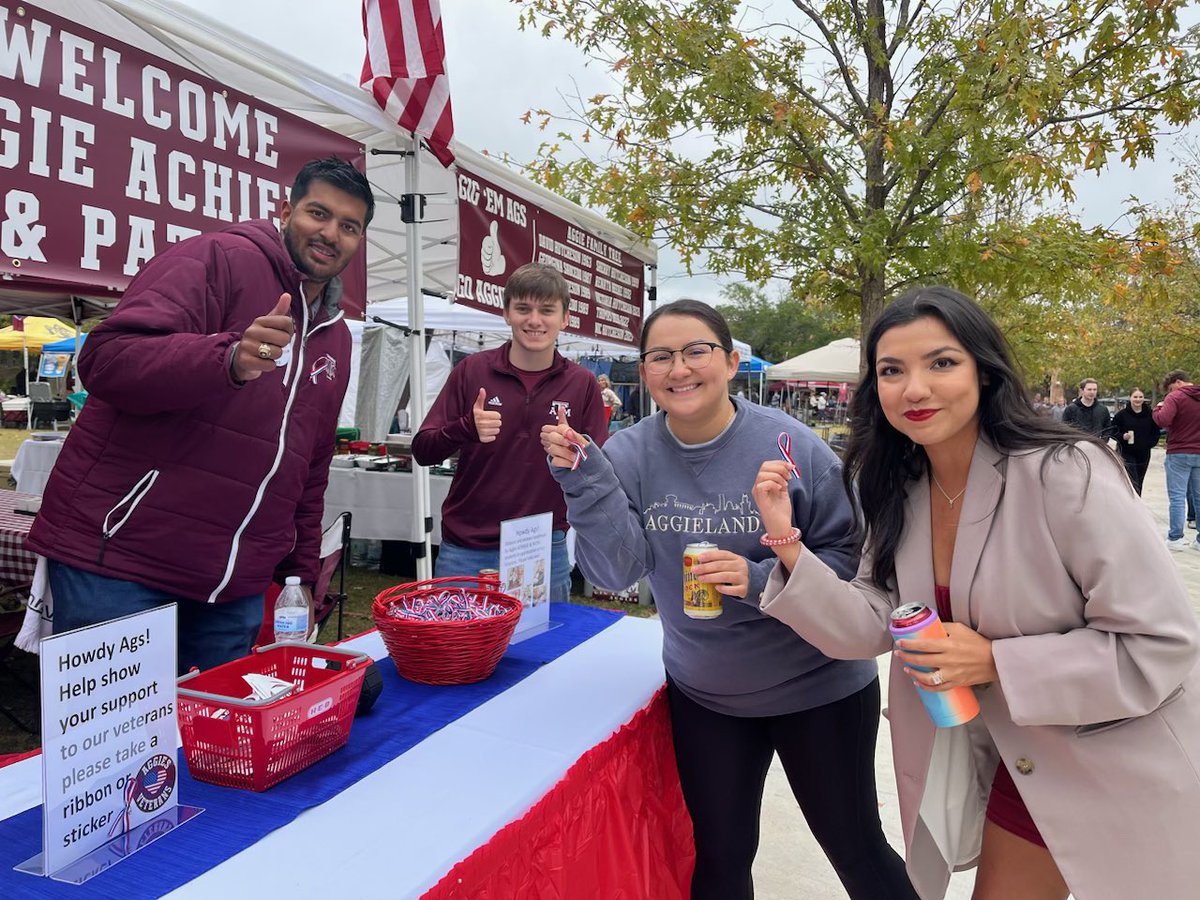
(499, 232)
(108, 154)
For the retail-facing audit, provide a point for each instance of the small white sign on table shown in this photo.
(525, 569)
(109, 762)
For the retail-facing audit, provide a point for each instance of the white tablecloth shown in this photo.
(382, 503)
(31, 468)
(400, 829)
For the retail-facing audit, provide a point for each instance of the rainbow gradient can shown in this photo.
(956, 706)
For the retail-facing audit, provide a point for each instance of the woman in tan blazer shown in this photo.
(1082, 772)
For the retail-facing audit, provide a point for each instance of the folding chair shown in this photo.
(50, 412)
(335, 551)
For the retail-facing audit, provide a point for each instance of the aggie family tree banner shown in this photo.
(108, 154)
(499, 232)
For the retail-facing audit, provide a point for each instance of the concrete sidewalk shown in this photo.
(790, 865)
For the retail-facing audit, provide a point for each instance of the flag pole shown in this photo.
(414, 214)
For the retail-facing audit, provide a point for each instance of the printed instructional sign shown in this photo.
(525, 567)
(108, 732)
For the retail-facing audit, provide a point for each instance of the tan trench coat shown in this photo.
(1097, 710)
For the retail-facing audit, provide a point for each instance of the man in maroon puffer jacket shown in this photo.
(196, 472)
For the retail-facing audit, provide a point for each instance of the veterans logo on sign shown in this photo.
(155, 783)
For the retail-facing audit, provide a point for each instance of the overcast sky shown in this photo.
(498, 72)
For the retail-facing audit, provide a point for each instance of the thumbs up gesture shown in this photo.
(556, 441)
(263, 341)
(487, 421)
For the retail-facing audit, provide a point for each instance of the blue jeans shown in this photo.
(455, 560)
(1183, 482)
(209, 633)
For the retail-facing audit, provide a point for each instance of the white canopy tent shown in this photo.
(836, 361)
(401, 259)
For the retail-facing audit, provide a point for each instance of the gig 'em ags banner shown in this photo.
(499, 232)
(109, 154)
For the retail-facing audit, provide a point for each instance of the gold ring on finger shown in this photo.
(264, 350)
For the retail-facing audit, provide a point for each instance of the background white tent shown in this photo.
(836, 361)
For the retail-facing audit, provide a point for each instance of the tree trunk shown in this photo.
(871, 301)
(872, 272)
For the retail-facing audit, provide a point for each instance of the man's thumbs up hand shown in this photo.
(263, 341)
(487, 421)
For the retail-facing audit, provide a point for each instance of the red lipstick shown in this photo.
(919, 415)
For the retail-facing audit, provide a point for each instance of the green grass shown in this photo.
(10, 440)
(19, 693)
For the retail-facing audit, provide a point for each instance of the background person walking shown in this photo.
(1136, 434)
(1179, 414)
(1088, 415)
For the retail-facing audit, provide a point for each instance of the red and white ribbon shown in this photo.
(580, 453)
(123, 822)
(785, 449)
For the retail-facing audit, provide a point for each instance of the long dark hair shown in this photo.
(881, 461)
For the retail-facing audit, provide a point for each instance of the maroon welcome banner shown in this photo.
(109, 154)
(498, 232)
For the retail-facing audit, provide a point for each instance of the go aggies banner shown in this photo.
(109, 154)
(499, 232)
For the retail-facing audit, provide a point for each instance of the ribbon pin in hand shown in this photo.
(785, 449)
(576, 445)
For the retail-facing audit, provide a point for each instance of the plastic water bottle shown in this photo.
(293, 616)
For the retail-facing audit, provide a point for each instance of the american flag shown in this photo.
(405, 68)
(153, 780)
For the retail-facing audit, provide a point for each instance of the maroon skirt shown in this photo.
(1005, 808)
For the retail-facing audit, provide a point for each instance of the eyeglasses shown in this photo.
(695, 355)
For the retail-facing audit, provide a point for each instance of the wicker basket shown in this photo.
(435, 652)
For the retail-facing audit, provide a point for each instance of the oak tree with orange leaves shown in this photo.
(856, 147)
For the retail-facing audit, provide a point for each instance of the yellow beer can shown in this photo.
(700, 600)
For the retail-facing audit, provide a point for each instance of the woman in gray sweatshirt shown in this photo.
(742, 686)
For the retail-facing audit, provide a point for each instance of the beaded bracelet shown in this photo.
(793, 538)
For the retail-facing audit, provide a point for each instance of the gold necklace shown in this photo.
(949, 499)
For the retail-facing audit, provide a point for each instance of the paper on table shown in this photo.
(266, 687)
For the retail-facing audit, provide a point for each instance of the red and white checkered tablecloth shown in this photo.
(16, 563)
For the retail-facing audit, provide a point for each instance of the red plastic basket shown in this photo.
(434, 652)
(256, 744)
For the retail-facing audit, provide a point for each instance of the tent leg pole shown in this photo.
(422, 515)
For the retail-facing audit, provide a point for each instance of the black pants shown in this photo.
(828, 754)
(1136, 464)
